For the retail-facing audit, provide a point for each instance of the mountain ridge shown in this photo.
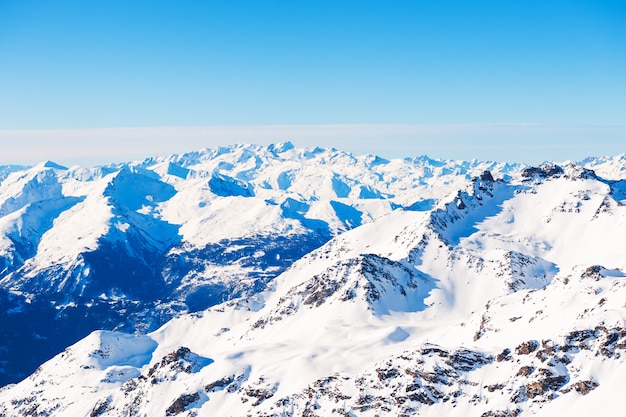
(499, 320)
(128, 246)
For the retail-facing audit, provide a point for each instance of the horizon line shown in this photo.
(526, 142)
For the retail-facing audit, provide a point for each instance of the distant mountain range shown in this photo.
(252, 280)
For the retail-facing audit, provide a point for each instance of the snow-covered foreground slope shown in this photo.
(129, 246)
(504, 299)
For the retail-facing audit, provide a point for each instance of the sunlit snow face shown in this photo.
(493, 284)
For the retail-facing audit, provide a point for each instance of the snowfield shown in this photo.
(129, 246)
(500, 294)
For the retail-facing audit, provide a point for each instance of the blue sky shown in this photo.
(459, 79)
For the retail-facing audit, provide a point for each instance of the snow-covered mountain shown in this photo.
(129, 246)
(468, 292)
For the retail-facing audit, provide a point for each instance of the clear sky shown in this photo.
(100, 81)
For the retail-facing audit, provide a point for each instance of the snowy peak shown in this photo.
(53, 165)
(135, 189)
(225, 186)
(455, 215)
(548, 170)
(608, 167)
(523, 359)
(367, 286)
(22, 188)
(526, 272)
(129, 246)
(281, 147)
(376, 285)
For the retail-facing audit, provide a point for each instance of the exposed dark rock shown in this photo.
(440, 376)
(502, 413)
(384, 374)
(260, 393)
(180, 353)
(219, 384)
(554, 382)
(563, 358)
(527, 348)
(101, 407)
(520, 395)
(549, 347)
(181, 403)
(608, 347)
(542, 355)
(467, 360)
(429, 350)
(576, 172)
(422, 397)
(505, 355)
(541, 387)
(319, 289)
(494, 387)
(578, 336)
(486, 176)
(129, 386)
(526, 370)
(412, 387)
(593, 272)
(584, 387)
(543, 171)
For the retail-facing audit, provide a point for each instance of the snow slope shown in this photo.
(129, 246)
(505, 298)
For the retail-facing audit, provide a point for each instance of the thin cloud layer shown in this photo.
(515, 142)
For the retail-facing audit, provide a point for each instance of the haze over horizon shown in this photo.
(94, 83)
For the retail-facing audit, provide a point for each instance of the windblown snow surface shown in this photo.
(504, 298)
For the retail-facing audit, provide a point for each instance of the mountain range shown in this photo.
(252, 280)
